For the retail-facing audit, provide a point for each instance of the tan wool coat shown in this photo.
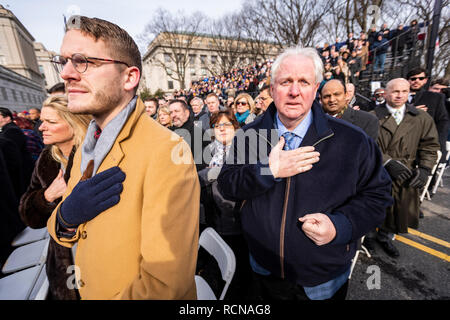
(145, 247)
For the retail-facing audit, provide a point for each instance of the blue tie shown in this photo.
(289, 140)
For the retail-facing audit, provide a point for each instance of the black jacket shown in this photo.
(348, 184)
(435, 103)
(364, 120)
(12, 132)
(194, 137)
(10, 223)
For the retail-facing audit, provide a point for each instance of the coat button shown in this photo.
(84, 235)
(81, 283)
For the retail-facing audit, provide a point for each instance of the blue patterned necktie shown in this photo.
(289, 140)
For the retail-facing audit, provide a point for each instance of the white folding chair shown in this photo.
(204, 291)
(362, 249)
(29, 235)
(440, 173)
(26, 256)
(211, 241)
(19, 285)
(40, 288)
(425, 191)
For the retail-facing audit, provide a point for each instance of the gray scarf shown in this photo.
(97, 150)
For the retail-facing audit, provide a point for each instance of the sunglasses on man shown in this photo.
(417, 78)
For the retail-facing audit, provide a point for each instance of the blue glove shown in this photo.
(91, 197)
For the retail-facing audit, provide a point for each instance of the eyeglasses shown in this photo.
(242, 103)
(79, 62)
(222, 125)
(417, 78)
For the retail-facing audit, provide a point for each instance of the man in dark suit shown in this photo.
(333, 98)
(431, 102)
(9, 130)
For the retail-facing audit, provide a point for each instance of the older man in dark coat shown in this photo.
(334, 103)
(409, 143)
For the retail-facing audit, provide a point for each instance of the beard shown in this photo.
(99, 103)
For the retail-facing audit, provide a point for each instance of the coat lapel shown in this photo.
(116, 154)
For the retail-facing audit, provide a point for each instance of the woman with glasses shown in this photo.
(164, 117)
(244, 105)
(222, 214)
(63, 132)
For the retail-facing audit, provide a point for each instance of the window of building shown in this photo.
(170, 85)
(41, 69)
(29, 97)
(167, 57)
(5, 95)
(203, 59)
(192, 71)
(213, 59)
(14, 94)
(192, 59)
(23, 96)
(204, 72)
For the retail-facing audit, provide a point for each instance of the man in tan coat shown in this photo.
(132, 201)
(408, 140)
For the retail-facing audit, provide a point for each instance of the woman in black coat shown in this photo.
(62, 132)
(221, 214)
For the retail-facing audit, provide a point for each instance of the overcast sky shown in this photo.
(44, 18)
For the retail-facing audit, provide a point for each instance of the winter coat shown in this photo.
(348, 184)
(435, 102)
(144, 247)
(414, 143)
(364, 120)
(35, 210)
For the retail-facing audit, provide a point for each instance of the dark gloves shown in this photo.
(419, 178)
(91, 197)
(397, 170)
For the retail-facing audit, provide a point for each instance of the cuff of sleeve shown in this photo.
(265, 174)
(61, 221)
(343, 228)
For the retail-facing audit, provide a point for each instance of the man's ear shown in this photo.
(132, 77)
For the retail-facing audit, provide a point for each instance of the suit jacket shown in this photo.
(435, 103)
(366, 121)
(144, 247)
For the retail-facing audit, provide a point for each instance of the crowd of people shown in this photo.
(252, 154)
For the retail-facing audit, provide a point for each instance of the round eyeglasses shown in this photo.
(79, 62)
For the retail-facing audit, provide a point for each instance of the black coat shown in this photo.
(12, 132)
(10, 224)
(435, 103)
(364, 120)
(193, 136)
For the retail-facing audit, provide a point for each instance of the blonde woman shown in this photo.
(63, 133)
(164, 117)
(244, 106)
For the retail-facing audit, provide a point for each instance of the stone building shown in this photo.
(46, 68)
(21, 82)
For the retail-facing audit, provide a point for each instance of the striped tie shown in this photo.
(397, 116)
(289, 140)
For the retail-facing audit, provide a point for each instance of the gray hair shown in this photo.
(299, 51)
(197, 99)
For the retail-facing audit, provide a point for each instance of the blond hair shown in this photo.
(166, 111)
(79, 124)
(250, 101)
